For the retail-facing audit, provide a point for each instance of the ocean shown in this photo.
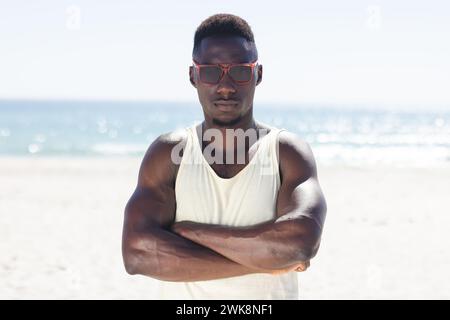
(337, 135)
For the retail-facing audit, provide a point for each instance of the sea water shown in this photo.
(336, 135)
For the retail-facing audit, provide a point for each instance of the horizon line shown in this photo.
(285, 104)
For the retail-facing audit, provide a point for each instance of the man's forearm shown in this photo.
(271, 245)
(166, 256)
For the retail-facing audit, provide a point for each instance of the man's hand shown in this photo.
(303, 266)
(298, 268)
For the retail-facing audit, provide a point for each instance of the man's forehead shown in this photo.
(225, 49)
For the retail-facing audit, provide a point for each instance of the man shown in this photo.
(213, 228)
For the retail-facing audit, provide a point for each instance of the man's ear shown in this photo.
(192, 76)
(259, 73)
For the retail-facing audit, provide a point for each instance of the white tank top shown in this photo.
(246, 199)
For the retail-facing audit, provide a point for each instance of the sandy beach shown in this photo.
(386, 234)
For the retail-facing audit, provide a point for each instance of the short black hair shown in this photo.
(223, 24)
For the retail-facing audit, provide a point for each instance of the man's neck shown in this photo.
(225, 142)
(250, 124)
(244, 123)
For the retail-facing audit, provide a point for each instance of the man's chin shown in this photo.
(226, 122)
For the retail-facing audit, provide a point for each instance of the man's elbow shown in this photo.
(136, 260)
(139, 263)
(131, 263)
(306, 247)
(298, 252)
(306, 253)
(136, 265)
(281, 258)
(131, 269)
(306, 240)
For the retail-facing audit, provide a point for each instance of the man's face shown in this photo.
(226, 102)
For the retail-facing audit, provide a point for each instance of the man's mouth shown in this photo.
(226, 105)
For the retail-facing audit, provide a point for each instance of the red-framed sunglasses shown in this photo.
(240, 73)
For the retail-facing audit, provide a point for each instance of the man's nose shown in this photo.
(226, 86)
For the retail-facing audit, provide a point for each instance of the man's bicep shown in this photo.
(300, 194)
(150, 207)
(305, 200)
(153, 201)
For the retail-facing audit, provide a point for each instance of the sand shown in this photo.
(386, 235)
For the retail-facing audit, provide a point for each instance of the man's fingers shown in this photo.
(299, 268)
(303, 266)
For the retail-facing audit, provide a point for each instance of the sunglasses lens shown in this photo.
(210, 74)
(241, 73)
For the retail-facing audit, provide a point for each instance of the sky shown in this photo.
(345, 52)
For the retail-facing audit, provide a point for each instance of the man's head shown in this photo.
(226, 88)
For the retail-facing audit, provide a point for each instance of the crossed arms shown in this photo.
(188, 251)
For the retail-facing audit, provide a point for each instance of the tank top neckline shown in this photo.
(196, 141)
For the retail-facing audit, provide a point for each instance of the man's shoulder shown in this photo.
(170, 139)
(295, 154)
(160, 154)
(293, 143)
(165, 143)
